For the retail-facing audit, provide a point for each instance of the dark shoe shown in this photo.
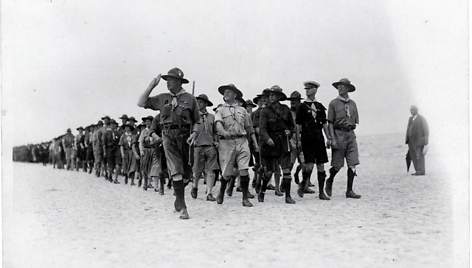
(310, 184)
(278, 193)
(126, 180)
(322, 196)
(260, 197)
(116, 182)
(156, 190)
(282, 190)
(270, 187)
(132, 184)
(194, 192)
(145, 187)
(139, 183)
(184, 215)
(253, 183)
(351, 194)
(238, 189)
(220, 198)
(161, 191)
(246, 203)
(289, 200)
(309, 191)
(250, 196)
(300, 191)
(210, 198)
(229, 191)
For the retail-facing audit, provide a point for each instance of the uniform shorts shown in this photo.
(314, 148)
(97, 155)
(113, 157)
(205, 158)
(347, 148)
(272, 163)
(177, 152)
(68, 151)
(233, 152)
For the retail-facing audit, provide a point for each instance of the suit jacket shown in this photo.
(417, 133)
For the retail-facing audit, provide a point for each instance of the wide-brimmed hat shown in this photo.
(176, 73)
(346, 82)
(311, 84)
(106, 117)
(250, 103)
(128, 124)
(79, 128)
(295, 96)
(232, 87)
(132, 119)
(258, 97)
(124, 117)
(112, 121)
(276, 89)
(149, 117)
(100, 123)
(242, 101)
(205, 98)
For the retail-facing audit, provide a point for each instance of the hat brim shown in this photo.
(130, 126)
(209, 103)
(352, 88)
(295, 98)
(222, 89)
(184, 81)
(282, 95)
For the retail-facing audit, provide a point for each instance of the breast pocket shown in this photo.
(184, 111)
(166, 111)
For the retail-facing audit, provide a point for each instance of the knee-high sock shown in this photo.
(287, 183)
(321, 180)
(244, 180)
(350, 179)
(265, 182)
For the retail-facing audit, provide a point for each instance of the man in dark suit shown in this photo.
(417, 135)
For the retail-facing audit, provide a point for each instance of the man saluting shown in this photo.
(179, 112)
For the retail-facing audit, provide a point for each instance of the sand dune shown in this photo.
(58, 218)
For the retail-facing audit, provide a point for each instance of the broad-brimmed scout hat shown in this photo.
(242, 101)
(232, 87)
(276, 89)
(346, 82)
(311, 84)
(258, 97)
(132, 119)
(100, 123)
(250, 103)
(124, 117)
(149, 117)
(176, 73)
(112, 121)
(295, 96)
(106, 117)
(79, 128)
(128, 124)
(205, 98)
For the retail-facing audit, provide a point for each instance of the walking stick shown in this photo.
(190, 155)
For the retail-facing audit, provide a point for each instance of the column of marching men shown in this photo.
(185, 143)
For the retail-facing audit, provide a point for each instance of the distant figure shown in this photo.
(417, 135)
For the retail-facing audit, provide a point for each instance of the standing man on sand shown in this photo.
(343, 118)
(179, 112)
(67, 143)
(311, 121)
(276, 128)
(233, 124)
(204, 140)
(417, 136)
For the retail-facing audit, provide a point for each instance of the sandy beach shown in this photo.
(59, 218)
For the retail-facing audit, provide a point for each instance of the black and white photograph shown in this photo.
(235, 133)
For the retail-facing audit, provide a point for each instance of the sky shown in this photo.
(67, 63)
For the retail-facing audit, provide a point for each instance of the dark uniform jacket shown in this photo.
(273, 122)
(417, 133)
(307, 121)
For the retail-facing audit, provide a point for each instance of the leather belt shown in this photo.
(343, 128)
(233, 137)
(175, 126)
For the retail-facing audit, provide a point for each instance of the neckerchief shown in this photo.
(128, 138)
(175, 97)
(312, 106)
(204, 116)
(346, 107)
